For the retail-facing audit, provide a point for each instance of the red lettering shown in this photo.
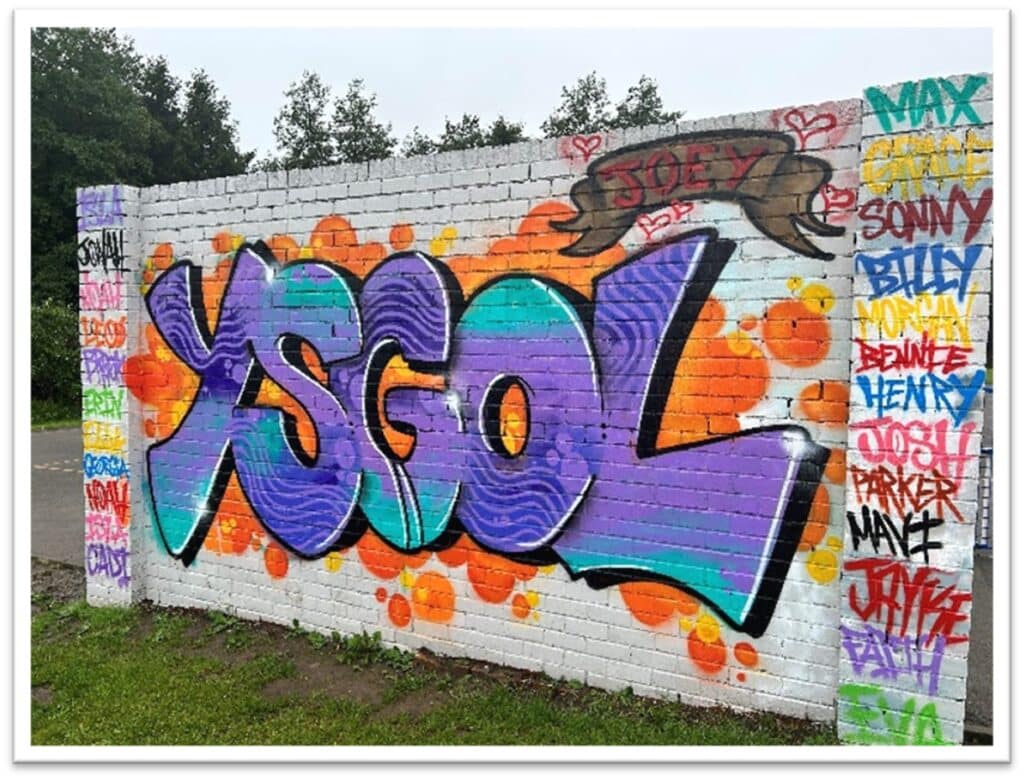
(925, 604)
(922, 446)
(661, 160)
(633, 193)
(695, 166)
(741, 165)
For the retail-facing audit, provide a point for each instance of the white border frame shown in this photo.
(470, 16)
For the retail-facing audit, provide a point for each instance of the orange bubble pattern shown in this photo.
(653, 603)
(708, 657)
(792, 332)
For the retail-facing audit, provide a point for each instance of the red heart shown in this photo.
(805, 128)
(649, 224)
(838, 197)
(680, 210)
(587, 144)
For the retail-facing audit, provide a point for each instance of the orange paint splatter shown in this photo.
(653, 603)
(157, 378)
(741, 677)
(835, 469)
(276, 560)
(713, 382)
(709, 657)
(222, 243)
(383, 561)
(381, 595)
(398, 610)
(284, 248)
(817, 520)
(401, 236)
(493, 576)
(746, 654)
(457, 554)
(795, 334)
(433, 597)
(520, 606)
(335, 240)
(825, 402)
(234, 529)
(535, 249)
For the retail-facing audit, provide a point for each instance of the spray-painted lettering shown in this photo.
(928, 214)
(882, 657)
(911, 538)
(938, 99)
(877, 722)
(910, 354)
(927, 392)
(565, 492)
(919, 601)
(921, 445)
(102, 367)
(914, 270)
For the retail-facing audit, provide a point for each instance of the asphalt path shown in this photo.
(58, 535)
(58, 500)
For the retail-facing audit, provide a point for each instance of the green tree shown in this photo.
(302, 128)
(503, 132)
(417, 143)
(161, 95)
(643, 106)
(467, 133)
(357, 135)
(267, 163)
(585, 108)
(89, 126)
(209, 136)
(102, 114)
(464, 134)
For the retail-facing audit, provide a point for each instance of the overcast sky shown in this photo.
(420, 76)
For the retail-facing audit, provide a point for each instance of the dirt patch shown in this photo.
(326, 678)
(415, 704)
(42, 694)
(57, 581)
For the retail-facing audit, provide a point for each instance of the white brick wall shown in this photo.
(780, 339)
(893, 131)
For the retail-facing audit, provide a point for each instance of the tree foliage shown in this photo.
(642, 106)
(463, 134)
(586, 108)
(55, 356)
(466, 133)
(503, 132)
(103, 114)
(302, 128)
(358, 136)
(417, 143)
(209, 137)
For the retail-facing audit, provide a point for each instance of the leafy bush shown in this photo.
(56, 377)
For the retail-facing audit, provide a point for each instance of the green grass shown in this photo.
(160, 676)
(50, 415)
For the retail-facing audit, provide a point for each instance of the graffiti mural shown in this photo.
(506, 416)
(917, 375)
(760, 171)
(538, 439)
(586, 409)
(101, 258)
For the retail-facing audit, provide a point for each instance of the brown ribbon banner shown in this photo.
(773, 184)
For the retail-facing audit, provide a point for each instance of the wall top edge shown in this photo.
(486, 156)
